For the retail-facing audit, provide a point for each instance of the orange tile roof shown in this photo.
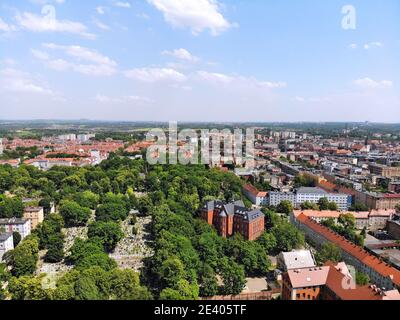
(329, 214)
(359, 253)
(254, 191)
(335, 281)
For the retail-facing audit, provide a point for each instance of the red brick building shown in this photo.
(233, 218)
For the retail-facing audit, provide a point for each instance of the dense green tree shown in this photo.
(287, 237)
(84, 248)
(182, 290)
(323, 204)
(358, 207)
(11, 207)
(307, 205)
(362, 279)
(233, 277)
(109, 233)
(55, 248)
(285, 207)
(16, 238)
(24, 257)
(125, 285)
(74, 215)
(52, 224)
(87, 199)
(208, 281)
(28, 288)
(329, 252)
(268, 242)
(171, 271)
(101, 260)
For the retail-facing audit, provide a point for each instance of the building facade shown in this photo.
(330, 282)
(380, 273)
(22, 226)
(234, 218)
(6, 243)
(258, 198)
(35, 215)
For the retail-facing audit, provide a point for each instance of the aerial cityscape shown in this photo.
(236, 169)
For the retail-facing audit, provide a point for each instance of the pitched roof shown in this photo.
(254, 191)
(308, 277)
(358, 252)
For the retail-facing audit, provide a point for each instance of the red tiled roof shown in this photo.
(254, 191)
(335, 281)
(359, 253)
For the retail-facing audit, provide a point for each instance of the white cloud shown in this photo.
(353, 46)
(367, 46)
(371, 45)
(215, 77)
(36, 23)
(197, 15)
(12, 80)
(82, 53)
(38, 54)
(155, 75)
(219, 78)
(181, 54)
(372, 84)
(122, 4)
(43, 2)
(100, 10)
(6, 27)
(101, 25)
(100, 65)
(121, 100)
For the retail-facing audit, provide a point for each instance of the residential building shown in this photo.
(377, 201)
(313, 195)
(380, 273)
(22, 226)
(258, 198)
(6, 243)
(35, 214)
(234, 218)
(298, 259)
(372, 220)
(330, 282)
(384, 171)
(276, 197)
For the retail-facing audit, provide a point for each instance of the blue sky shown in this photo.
(192, 60)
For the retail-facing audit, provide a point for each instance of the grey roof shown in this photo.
(233, 208)
(253, 215)
(311, 190)
(5, 236)
(12, 221)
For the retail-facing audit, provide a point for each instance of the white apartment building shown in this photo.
(276, 197)
(22, 226)
(312, 195)
(6, 243)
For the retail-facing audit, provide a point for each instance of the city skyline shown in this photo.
(157, 61)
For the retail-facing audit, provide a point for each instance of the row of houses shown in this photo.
(380, 273)
(372, 220)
